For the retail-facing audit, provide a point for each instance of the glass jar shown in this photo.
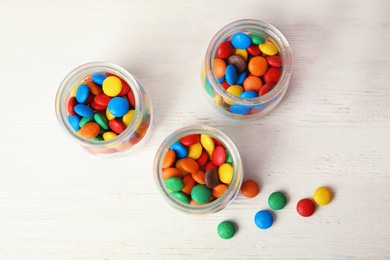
(220, 139)
(229, 103)
(138, 129)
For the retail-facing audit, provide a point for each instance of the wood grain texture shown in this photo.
(332, 128)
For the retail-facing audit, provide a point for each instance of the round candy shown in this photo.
(189, 165)
(268, 48)
(189, 140)
(225, 49)
(219, 190)
(272, 75)
(180, 150)
(322, 196)
(239, 109)
(258, 66)
(241, 41)
(225, 172)
(181, 197)
(195, 151)
(112, 86)
(238, 62)
(264, 219)
(74, 122)
(169, 159)
(256, 39)
(101, 120)
(266, 88)
(174, 184)
(200, 194)
(277, 200)
(250, 188)
(305, 207)
(89, 130)
(219, 68)
(226, 229)
(98, 78)
(219, 155)
(211, 178)
(118, 106)
(117, 126)
(231, 74)
(82, 93)
(83, 110)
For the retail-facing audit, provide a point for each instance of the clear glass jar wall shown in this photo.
(136, 133)
(217, 204)
(229, 104)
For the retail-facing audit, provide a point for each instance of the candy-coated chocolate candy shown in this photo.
(128, 117)
(199, 177)
(116, 126)
(200, 193)
(96, 107)
(274, 61)
(266, 88)
(305, 207)
(189, 140)
(225, 50)
(98, 78)
(83, 110)
(101, 120)
(241, 41)
(231, 74)
(74, 122)
(85, 120)
(242, 53)
(174, 184)
(277, 200)
(89, 130)
(171, 172)
(109, 135)
(118, 106)
(82, 93)
(240, 79)
(250, 188)
(226, 230)
(112, 86)
(256, 39)
(202, 160)
(254, 50)
(219, 155)
(169, 159)
(131, 98)
(180, 150)
(239, 109)
(218, 190)
(322, 196)
(225, 172)
(258, 66)
(272, 75)
(71, 103)
(102, 99)
(211, 178)
(268, 48)
(189, 183)
(238, 62)
(195, 151)
(264, 219)
(252, 83)
(249, 94)
(207, 142)
(189, 165)
(219, 67)
(181, 197)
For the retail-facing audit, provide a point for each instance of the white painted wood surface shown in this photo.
(332, 128)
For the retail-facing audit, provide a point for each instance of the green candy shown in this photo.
(101, 120)
(209, 89)
(97, 138)
(85, 120)
(256, 39)
(229, 158)
(226, 229)
(200, 194)
(277, 200)
(174, 184)
(181, 197)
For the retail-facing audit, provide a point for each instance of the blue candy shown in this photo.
(83, 110)
(74, 122)
(264, 219)
(249, 94)
(231, 74)
(179, 149)
(241, 77)
(239, 109)
(241, 41)
(98, 78)
(261, 106)
(82, 93)
(222, 79)
(118, 106)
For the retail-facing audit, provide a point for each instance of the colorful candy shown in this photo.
(277, 200)
(305, 207)
(226, 229)
(322, 196)
(203, 166)
(250, 188)
(264, 219)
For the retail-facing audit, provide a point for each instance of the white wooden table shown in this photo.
(332, 128)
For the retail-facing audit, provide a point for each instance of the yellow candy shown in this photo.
(242, 52)
(194, 151)
(109, 135)
(207, 142)
(112, 86)
(225, 172)
(235, 90)
(128, 117)
(322, 196)
(109, 115)
(268, 48)
(218, 100)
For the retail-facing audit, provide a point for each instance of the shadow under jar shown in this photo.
(104, 109)
(198, 170)
(247, 69)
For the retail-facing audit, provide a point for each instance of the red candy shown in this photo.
(102, 100)
(71, 103)
(272, 75)
(202, 160)
(274, 61)
(189, 140)
(225, 49)
(117, 126)
(218, 156)
(305, 207)
(131, 98)
(96, 106)
(266, 88)
(254, 50)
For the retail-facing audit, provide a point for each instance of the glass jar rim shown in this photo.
(233, 187)
(254, 26)
(76, 76)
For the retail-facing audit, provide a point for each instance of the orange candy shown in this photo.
(89, 130)
(258, 66)
(252, 83)
(171, 172)
(169, 159)
(189, 165)
(219, 68)
(189, 183)
(218, 190)
(250, 188)
(199, 177)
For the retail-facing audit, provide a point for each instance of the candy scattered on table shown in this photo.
(277, 200)
(250, 188)
(264, 219)
(305, 207)
(226, 229)
(322, 196)
(197, 169)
